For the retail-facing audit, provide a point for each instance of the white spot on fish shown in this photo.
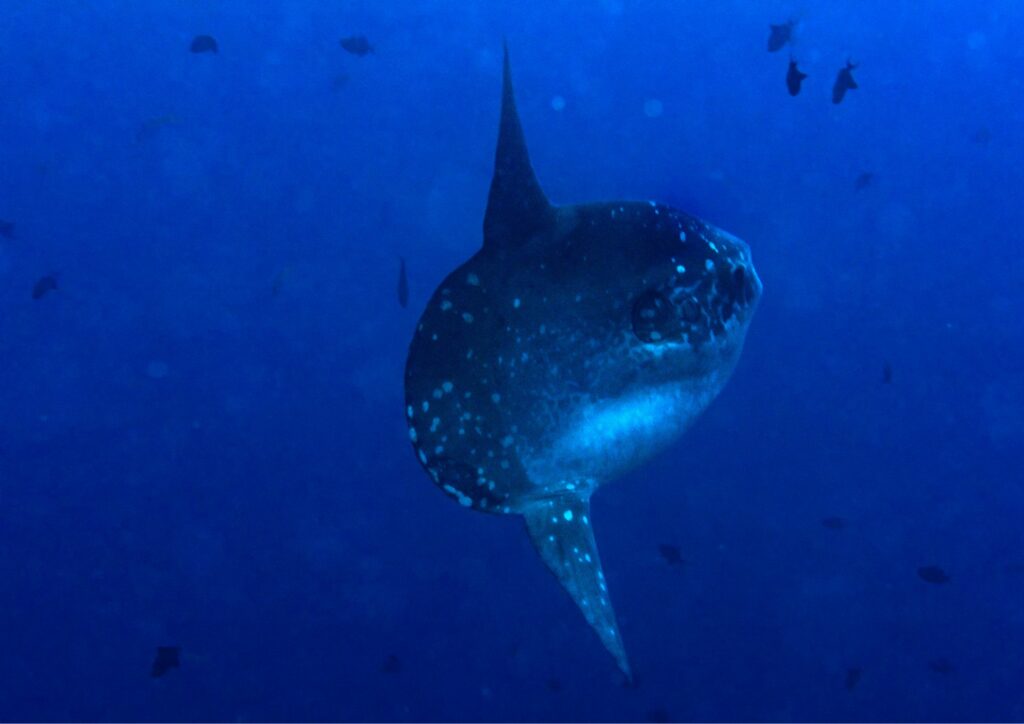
(567, 515)
(709, 265)
(434, 424)
(447, 386)
(412, 434)
(445, 305)
(426, 406)
(463, 499)
(473, 279)
(467, 317)
(437, 394)
(495, 398)
(680, 269)
(516, 303)
(409, 411)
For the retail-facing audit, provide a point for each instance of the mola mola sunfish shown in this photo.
(577, 343)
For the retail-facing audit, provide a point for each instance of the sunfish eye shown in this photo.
(653, 318)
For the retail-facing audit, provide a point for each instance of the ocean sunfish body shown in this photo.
(576, 344)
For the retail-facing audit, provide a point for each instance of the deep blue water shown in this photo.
(202, 440)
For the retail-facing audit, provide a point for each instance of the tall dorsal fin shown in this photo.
(516, 207)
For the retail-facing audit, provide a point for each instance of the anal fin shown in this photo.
(561, 532)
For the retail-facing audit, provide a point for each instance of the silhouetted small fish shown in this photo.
(863, 180)
(794, 78)
(941, 666)
(280, 280)
(554, 684)
(671, 554)
(403, 285)
(834, 522)
(392, 665)
(844, 82)
(932, 574)
(203, 44)
(7, 229)
(340, 81)
(167, 658)
(151, 126)
(886, 373)
(44, 286)
(659, 716)
(982, 136)
(357, 45)
(852, 678)
(780, 35)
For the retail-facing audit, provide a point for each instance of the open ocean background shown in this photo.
(202, 440)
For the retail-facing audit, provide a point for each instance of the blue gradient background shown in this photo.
(259, 504)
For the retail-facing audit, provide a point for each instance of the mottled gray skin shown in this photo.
(577, 343)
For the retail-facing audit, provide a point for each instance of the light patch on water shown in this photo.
(157, 369)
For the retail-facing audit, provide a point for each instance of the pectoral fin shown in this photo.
(561, 532)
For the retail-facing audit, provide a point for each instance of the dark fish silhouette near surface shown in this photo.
(941, 666)
(357, 45)
(863, 180)
(852, 678)
(167, 658)
(6, 229)
(886, 374)
(203, 44)
(392, 664)
(403, 284)
(834, 522)
(340, 80)
(659, 716)
(794, 78)
(151, 126)
(844, 82)
(982, 136)
(554, 684)
(44, 286)
(780, 35)
(672, 555)
(578, 342)
(932, 574)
